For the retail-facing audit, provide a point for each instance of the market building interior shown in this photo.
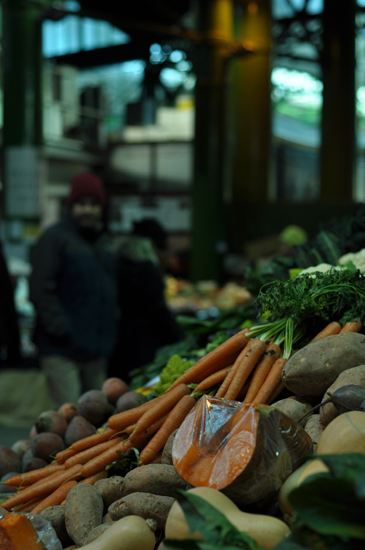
(226, 120)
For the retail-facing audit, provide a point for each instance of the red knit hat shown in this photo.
(86, 184)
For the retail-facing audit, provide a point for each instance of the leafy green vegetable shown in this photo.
(218, 532)
(297, 304)
(227, 319)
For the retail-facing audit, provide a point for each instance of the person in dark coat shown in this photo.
(146, 322)
(73, 289)
(9, 328)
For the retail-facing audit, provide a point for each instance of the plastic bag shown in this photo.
(46, 534)
(246, 451)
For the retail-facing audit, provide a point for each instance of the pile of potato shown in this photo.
(54, 431)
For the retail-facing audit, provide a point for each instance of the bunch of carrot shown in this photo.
(242, 368)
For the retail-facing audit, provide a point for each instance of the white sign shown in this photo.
(23, 176)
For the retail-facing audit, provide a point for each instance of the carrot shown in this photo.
(131, 428)
(40, 481)
(44, 489)
(121, 421)
(228, 379)
(93, 479)
(62, 456)
(215, 360)
(272, 353)
(84, 456)
(330, 330)
(165, 405)
(272, 382)
(91, 440)
(55, 498)
(173, 421)
(28, 506)
(276, 393)
(352, 326)
(247, 361)
(107, 457)
(213, 379)
(31, 477)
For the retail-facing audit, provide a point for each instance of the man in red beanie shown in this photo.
(73, 289)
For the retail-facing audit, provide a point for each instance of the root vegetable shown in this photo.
(46, 445)
(9, 461)
(352, 376)
(78, 428)
(312, 369)
(293, 408)
(144, 505)
(314, 429)
(51, 421)
(83, 511)
(56, 516)
(114, 388)
(111, 489)
(166, 457)
(157, 479)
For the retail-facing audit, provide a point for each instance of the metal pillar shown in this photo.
(337, 156)
(208, 196)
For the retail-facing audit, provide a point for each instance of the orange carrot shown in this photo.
(272, 382)
(28, 506)
(272, 353)
(131, 428)
(222, 390)
(330, 330)
(173, 421)
(352, 326)
(91, 440)
(40, 481)
(165, 405)
(62, 456)
(107, 457)
(84, 456)
(55, 498)
(276, 393)
(44, 489)
(215, 360)
(91, 480)
(213, 379)
(246, 363)
(31, 477)
(121, 421)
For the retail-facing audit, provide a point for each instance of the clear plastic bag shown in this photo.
(46, 534)
(246, 451)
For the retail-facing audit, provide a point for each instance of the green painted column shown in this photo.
(337, 155)
(210, 150)
(22, 107)
(251, 104)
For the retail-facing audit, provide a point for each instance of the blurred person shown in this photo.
(146, 322)
(9, 328)
(73, 289)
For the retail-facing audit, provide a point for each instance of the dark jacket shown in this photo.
(146, 324)
(73, 290)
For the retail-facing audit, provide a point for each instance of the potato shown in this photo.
(312, 369)
(111, 489)
(78, 428)
(51, 421)
(68, 411)
(9, 461)
(157, 479)
(94, 406)
(113, 389)
(56, 515)
(83, 512)
(46, 445)
(96, 532)
(354, 376)
(314, 429)
(20, 446)
(166, 457)
(293, 408)
(145, 505)
(129, 400)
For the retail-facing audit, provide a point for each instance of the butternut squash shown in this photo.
(265, 530)
(310, 468)
(345, 434)
(17, 532)
(129, 533)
